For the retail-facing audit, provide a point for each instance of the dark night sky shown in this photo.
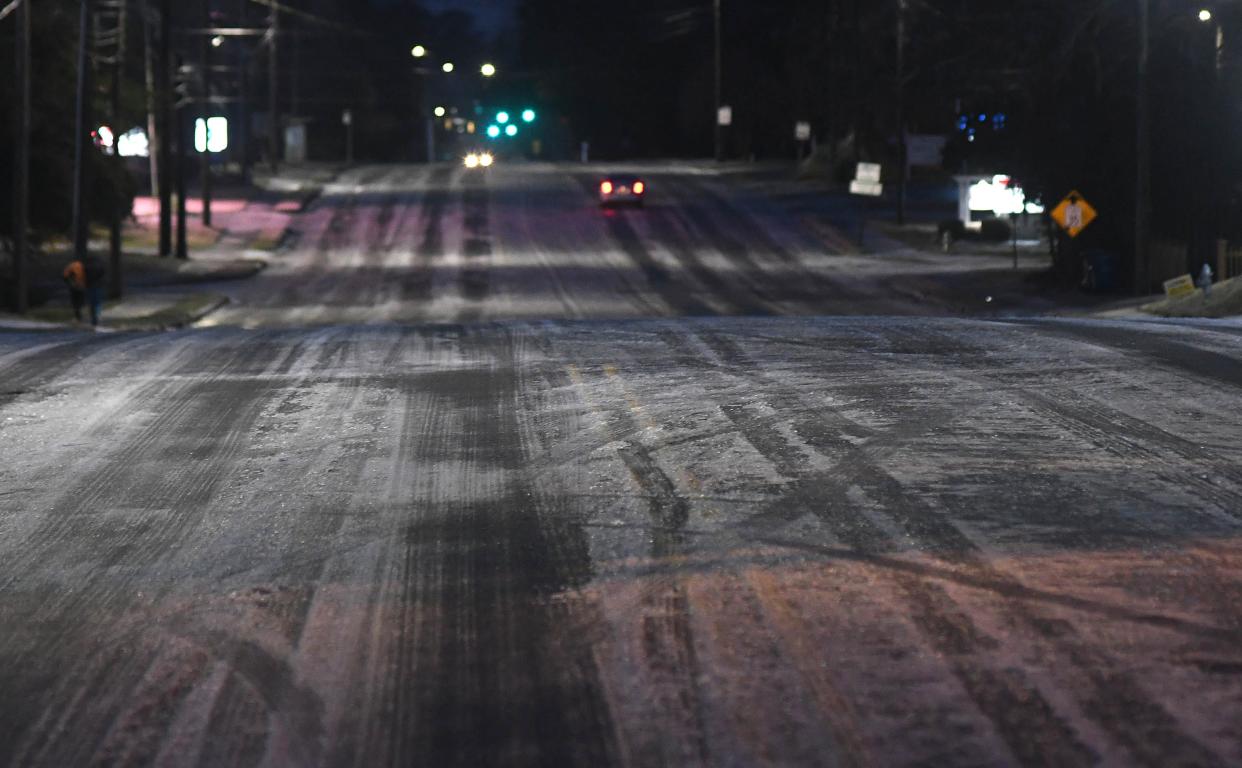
(493, 15)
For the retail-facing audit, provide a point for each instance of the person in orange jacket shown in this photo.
(86, 278)
(75, 279)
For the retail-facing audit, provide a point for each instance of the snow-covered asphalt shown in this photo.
(418, 244)
(474, 475)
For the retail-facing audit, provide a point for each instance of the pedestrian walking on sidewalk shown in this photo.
(75, 279)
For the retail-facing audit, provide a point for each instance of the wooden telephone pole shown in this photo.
(81, 139)
(1142, 181)
(21, 164)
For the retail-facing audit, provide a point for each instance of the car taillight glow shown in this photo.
(606, 187)
(639, 187)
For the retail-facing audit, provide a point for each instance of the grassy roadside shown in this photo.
(1225, 301)
(179, 312)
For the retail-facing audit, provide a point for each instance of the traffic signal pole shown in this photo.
(21, 164)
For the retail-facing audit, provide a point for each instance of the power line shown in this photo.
(313, 18)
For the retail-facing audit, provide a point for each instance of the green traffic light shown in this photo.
(493, 131)
(528, 116)
(502, 117)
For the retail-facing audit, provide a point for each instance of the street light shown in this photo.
(448, 67)
(1205, 15)
(488, 70)
(418, 51)
(441, 111)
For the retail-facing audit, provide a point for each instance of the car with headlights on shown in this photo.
(622, 189)
(479, 160)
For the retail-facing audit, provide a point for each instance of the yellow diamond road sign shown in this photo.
(1074, 214)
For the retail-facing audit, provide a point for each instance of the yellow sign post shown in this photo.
(1074, 214)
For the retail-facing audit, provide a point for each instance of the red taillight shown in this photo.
(606, 187)
(639, 187)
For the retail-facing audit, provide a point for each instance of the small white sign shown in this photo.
(724, 116)
(866, 188)
(211, 135)
(347, 117)
(868, 172)
(802, 131)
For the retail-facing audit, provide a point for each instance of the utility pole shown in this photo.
(273, 92)
(205, 157)
(163, 76)
(81, 139)
(902, 147)
(1142, 181)
(719, 80)
(179, 136)
(244, 107)
(153, 132)
(1221, 165)
(115, 278)
(21, 164)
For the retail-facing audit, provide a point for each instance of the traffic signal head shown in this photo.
(502, 117)
(528, 116)
(493, 131)
(511, 131)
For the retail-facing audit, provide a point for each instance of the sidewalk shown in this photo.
(248, 226)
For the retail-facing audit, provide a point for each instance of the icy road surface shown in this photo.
(662, 542)
(419, 244)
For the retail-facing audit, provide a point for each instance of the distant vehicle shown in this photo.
(622, 190)
(479, 160)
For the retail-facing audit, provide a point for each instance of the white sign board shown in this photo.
(868, 172)
(866, 188)
(211, 135)
(802, 131)
(724, 116)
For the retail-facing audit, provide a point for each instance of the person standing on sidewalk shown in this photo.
(75, 279)
(96, 283)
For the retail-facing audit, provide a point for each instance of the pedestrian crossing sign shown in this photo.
(1074, 214)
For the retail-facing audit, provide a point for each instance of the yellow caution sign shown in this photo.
(1179, 287)
(1074, 214)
